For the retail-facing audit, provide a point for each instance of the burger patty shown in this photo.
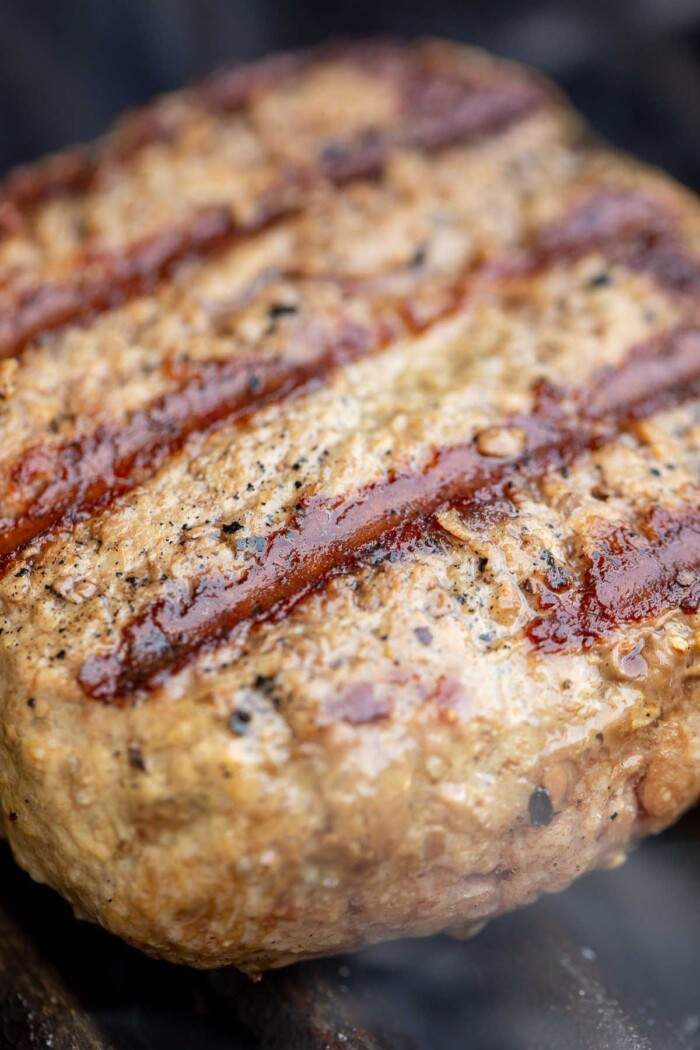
(349, 516)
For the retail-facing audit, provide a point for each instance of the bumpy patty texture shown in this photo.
(349, 506)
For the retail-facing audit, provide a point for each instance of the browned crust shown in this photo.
(633, 574)
(75, 171)
(140, 815)
(105, 279)
(439, 107)
(324, 538)
(87, 472)
(437, 97)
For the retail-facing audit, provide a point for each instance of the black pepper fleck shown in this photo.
(239, 721)
(419, 257)
(276, 310)
(136, 759)
(540, 807)
(264, 682)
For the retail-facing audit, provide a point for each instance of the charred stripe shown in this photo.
(325, 538)
(89, 471)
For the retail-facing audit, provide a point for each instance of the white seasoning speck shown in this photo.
(74, 590)
(501, 442)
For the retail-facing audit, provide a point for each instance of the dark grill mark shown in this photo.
(226, 91)
(75, 171)
(105, 279)
(86, 473)
(428, 92)
(325, 538)
(655, 375)
(635, 573)
(441, 109)
(632, 229)
(65, 173)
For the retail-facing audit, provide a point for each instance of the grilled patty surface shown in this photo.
(349, 518)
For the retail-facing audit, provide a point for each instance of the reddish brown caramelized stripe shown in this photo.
(325, 538)
(94, 468)
(75, 171)
(440, 109)
(109, 278)
(225, 91)
(633, 575)
(82, 475)
(27, 185)
(430, 90)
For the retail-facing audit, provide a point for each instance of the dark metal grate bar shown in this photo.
(37, 1009)
(303, 1008)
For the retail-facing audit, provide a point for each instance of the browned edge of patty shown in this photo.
(440, 106)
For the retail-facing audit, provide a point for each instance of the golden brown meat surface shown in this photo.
(349, 517)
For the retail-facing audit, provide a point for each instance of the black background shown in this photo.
(68, 66)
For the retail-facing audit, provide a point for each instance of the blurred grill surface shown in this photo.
(613, 964)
